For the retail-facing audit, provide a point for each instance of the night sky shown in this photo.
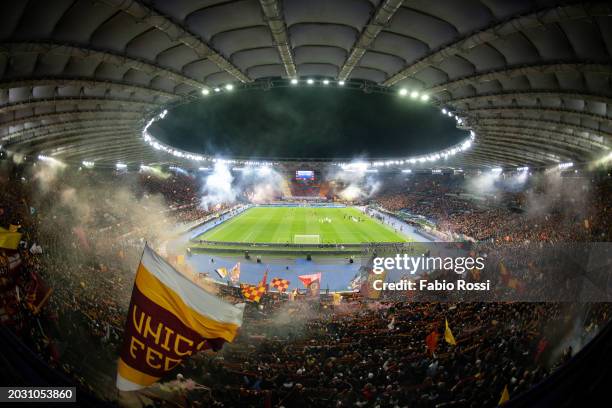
(307, 123)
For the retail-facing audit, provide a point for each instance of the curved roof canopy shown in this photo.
(531, 78)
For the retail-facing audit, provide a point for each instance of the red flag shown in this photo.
(432, 341)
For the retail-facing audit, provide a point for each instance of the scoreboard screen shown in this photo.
(304, 175)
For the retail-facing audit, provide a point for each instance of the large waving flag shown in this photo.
(169, 319)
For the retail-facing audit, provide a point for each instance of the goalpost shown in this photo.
(306, 239)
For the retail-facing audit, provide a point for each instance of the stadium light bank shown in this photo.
(421, 159)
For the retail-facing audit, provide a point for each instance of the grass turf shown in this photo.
(281, 224)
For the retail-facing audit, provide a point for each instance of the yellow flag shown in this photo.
(10, 240)
(448, 335)
(505, 396)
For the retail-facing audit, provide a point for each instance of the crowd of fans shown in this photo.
(576, 209)
(368, 354)
(81, 242)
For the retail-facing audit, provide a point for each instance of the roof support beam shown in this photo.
(273, 11)
(383, 14)
(511, 26)
(153, 18)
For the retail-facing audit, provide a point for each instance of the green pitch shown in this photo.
(302, 225)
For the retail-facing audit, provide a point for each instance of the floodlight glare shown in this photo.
(310, 81)
(217, 89)
(205, 91)
(424, 97)
(326, 82)
(414, 94)
(403, 92)
(294, 81)
(341, 83)
(229, 87)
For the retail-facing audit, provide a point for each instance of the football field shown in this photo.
(302, 225)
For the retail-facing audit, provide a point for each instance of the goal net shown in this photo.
(306, 239)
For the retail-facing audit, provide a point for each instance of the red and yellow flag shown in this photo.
(280, 284)
(169, 319)
(252, 292)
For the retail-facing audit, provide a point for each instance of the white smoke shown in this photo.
(256, 184)
(261, 184)
(218, 187)
(355, 180)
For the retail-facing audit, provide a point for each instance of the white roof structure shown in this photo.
(531, 78)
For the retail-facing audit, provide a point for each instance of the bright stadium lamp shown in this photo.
(205, 91)
(229, 87)
(341, 83)
(444, 111)
(424, 97)
(294, 81)
(217, 89)
(403, 92)
(326, 82)
(414, 94)
(310, 81)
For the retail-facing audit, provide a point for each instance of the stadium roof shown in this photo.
(531, 78)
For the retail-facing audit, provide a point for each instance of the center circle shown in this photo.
(307, 123)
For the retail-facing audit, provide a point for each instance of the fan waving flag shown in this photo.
(169, 319)
(280, 284)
